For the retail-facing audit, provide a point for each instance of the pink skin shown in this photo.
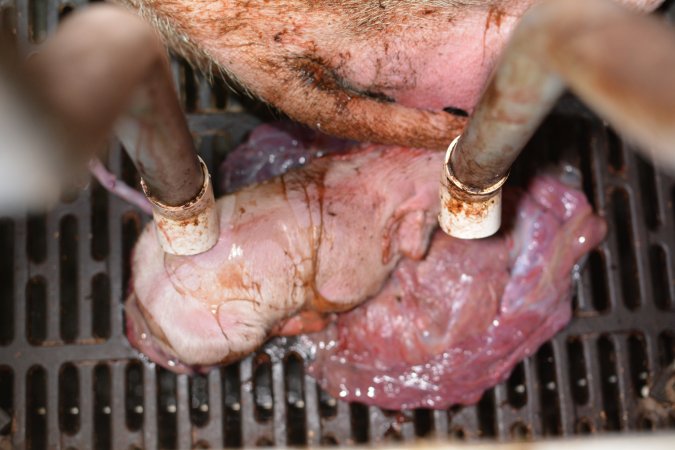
(437, 64)
(312, 62)
(450, 58)
(322, 239)
(321, 61)
(325, 238)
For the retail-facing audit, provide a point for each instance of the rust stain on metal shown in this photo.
(190, 228)
(479, 176)
(466, 204)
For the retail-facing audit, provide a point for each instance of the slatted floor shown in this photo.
(68, 378)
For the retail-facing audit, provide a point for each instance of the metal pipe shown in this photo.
(105, 68)
(30, 178)
(619, 62)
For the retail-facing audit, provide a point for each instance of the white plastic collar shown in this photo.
(467, 212)
(187, 229)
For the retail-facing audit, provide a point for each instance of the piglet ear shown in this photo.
(414, 233)
(408, 230)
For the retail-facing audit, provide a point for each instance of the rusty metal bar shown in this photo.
(617, 61)
(106, 68)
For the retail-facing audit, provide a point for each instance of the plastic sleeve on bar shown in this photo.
(191, 228)
(468, 213)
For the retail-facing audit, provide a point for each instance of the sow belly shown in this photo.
(371, 70)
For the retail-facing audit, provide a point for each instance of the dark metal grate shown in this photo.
(68, 378)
